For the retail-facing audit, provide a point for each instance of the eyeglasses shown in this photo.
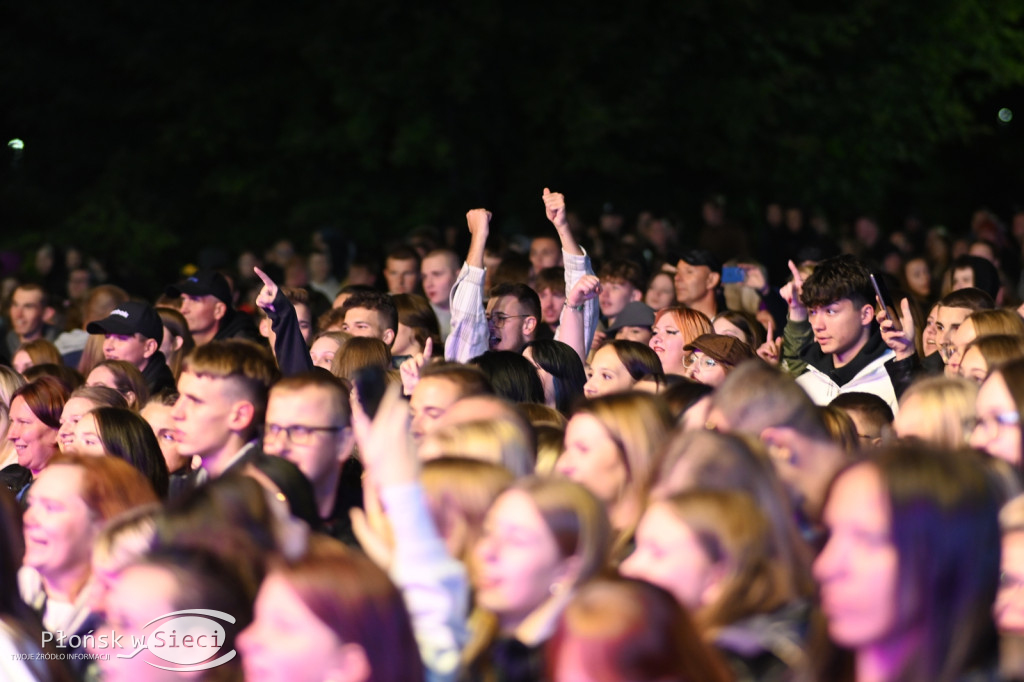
(298, 434)
(1009, 583)
(993, 423)
(705, 362)
(498, 319)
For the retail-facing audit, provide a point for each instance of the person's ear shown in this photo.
(220, 309)
(265, 327)
(529, 325)
(637, 295)
(388, 337)
(780, 443)
(177, 342)
(348, 663)
(240, 415)
(346, 443)
(149, 346)
(714, 582)
(867, 314)
(49, 314)
(713, 279)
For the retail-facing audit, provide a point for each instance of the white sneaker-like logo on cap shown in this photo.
(122, 313)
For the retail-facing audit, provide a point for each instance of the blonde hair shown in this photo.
(490, 440)
(637, 423)
(734, 532)
(125, 538)
(998, 321)
(468, 487)
(579, 524)
(946, 405)
(360, 352)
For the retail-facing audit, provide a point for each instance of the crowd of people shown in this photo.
(616, 454)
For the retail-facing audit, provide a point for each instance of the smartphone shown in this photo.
(888, 304)
(733, 275)
(371, 383)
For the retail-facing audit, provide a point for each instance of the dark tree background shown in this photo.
(152, 129)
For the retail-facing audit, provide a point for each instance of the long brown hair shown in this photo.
(633, 630)
(349, 594)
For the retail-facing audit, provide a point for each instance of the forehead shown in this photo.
(505, 304)
(948, 315)
(515, 509)
(205, 387)
(858, 495)
(362, 315)
(59, 479)
(438, 262)
(26, 296)
(543, 244)
(995, 394)
(435, 392)
(303, 312)
(77, 405)
(607, 358)
(401, 264)
(688, 269)
(308, 401)
(156, 413)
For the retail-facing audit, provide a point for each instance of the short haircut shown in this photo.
(249, 367)
(377, 301)
(552, 278)
(875, 410)
(838, 278)
(403, 253)
(621, 269)
(450, 257)
(526, 296)
(756, 396)
(470, 380)
(972, 298)
(337, 392)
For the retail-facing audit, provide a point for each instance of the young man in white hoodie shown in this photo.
(847, 352)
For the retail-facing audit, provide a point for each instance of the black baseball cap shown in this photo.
(203, 283)
(131, 317)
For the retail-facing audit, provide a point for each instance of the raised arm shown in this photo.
(577, 265)
(468, 336)
(434, 586)
(289, 346)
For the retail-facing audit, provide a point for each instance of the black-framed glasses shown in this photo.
(499, 319)
(298, 434)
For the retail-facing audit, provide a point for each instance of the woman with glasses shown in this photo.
(998, 410)
(715, 355)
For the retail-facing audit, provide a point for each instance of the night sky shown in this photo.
(152, 130)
